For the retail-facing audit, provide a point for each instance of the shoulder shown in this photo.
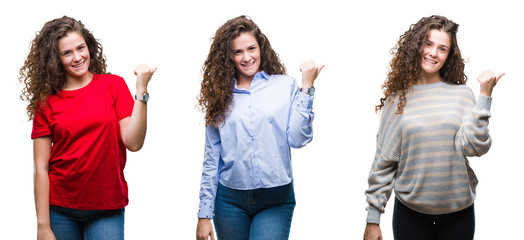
(391, 101)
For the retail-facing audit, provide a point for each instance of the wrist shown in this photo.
(44, 224)
(308, 90)
(485, 93)
(141, 91)
(307, 85)
(142, 97)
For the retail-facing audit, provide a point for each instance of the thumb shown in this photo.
(154, 70)
(321, 67)
(500, 75)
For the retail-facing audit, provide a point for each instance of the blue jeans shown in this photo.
(73, 224)
(263, 213)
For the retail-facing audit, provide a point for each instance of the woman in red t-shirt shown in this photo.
(83, 121)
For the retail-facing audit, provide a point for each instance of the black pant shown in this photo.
(412, 225)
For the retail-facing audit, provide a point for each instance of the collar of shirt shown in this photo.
(262, 75)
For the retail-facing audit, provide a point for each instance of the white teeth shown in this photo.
(430, 61)
(78, 65)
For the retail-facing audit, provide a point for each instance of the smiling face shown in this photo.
(435, 52)
(74, 55)
(246, 53)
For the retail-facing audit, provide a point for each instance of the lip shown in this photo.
(248, 65)
(78, 65)
(430, 61)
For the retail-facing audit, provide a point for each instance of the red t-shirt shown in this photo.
(86, 167)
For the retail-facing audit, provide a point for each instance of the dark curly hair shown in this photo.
(216, 92)
(405, 67)
(43, 73)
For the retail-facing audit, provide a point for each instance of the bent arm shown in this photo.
(473, 136)
(41, 154)
(133, 128)
(300, 126)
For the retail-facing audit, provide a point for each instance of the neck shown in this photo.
(427, 78)
(73, 83)
(244, 83)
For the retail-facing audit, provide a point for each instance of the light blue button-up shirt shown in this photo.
(252, 149)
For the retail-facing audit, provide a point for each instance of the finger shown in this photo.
(138, 69)
(320, 68)
(500, 75)
(307, 65)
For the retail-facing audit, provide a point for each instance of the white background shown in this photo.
(352, 39)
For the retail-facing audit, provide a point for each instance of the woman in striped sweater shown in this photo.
(430, 123)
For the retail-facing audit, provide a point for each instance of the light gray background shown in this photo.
(352, 39)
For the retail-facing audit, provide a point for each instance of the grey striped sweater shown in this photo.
(421, 154)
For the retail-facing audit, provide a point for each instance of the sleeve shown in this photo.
(473, 135)
(124, 102)
(385, 164)
(40, 124)
(209, 182)
(300, 127)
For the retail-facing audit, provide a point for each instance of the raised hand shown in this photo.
(143, 73)
(488, 80)
(310, 71)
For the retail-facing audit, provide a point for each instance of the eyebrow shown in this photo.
(250, 46)
(62, 52)
(441, 45)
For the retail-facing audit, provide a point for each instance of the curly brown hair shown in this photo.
(42, 72)
(216, 92)
(405, 67)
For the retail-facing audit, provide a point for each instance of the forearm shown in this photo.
(381, 181)
(300, 128)
(136, 129)
(41, 189)
(209, 181)
(475, 139)
(42, 152)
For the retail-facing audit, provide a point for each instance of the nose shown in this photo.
(76, 56)
(246, 57)
(433, 51)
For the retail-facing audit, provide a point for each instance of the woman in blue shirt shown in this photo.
(254, 114)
